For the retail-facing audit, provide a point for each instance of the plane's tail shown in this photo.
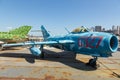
(23, 30)
(44, 32)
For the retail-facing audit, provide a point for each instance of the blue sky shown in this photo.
(57, 14)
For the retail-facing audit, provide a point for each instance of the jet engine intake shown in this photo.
(113, 43)
(110, 45)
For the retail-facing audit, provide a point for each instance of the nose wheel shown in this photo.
(93, 62)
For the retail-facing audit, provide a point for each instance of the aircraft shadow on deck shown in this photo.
(63, 57)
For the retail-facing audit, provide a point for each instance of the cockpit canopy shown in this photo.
(80, 30)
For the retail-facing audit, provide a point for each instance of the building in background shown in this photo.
(118, 30)
(98, 28)
(114, 29)
(35, 38)
(92, 29)
(103, 29)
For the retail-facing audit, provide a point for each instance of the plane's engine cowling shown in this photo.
(35, 51)
(108, 45)
(98, 44)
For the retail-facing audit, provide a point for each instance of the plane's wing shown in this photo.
(39, 43)
(65, 41)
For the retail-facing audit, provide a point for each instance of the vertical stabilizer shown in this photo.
(44, 32)
(23, 30)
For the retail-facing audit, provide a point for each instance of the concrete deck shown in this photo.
(19, 64)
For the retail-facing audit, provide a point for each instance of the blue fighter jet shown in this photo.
(82, 41)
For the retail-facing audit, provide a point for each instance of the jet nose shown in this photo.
(110, 45)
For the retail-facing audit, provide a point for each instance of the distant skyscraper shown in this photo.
(118, 30)
(113, 27)
(98, 28)
(103, 29)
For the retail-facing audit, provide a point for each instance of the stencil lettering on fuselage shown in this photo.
(90, 42)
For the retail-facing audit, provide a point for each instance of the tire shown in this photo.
(1, 48)
(92, 63)
(1, 43)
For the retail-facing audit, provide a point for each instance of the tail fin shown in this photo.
(44, 32)
(23, 30)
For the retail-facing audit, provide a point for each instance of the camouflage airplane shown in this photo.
(15, 35)
(82, 41)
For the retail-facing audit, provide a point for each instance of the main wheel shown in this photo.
(42, 55)
(1, 43)
(92, 63)
(1, 48)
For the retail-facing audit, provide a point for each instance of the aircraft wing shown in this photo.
(39, 43)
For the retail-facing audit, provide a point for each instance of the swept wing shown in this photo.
(39, 43)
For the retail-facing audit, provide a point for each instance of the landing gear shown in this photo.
(42, 53)
(92, 62)
(1, 48)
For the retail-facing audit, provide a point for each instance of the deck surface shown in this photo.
(19, 64)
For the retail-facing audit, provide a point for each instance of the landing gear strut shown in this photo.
(92, 62)
(42, 53)
(1, 48)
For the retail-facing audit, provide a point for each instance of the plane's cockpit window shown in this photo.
(80, 30)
